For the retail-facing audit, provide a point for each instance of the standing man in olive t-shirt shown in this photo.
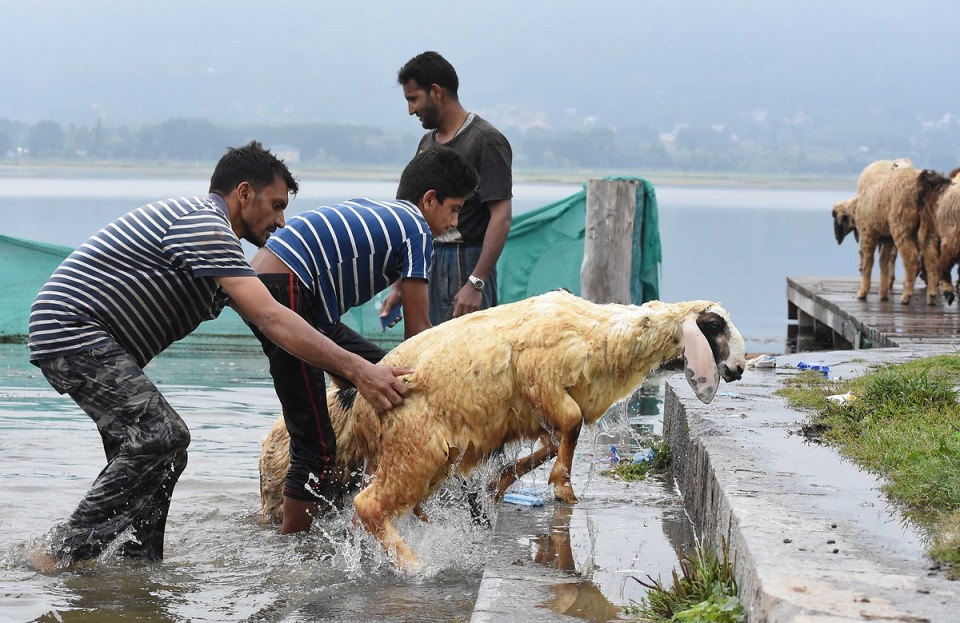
(464, 276)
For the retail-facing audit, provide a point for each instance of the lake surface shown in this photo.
(736, 246)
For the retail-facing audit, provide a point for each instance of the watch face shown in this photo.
(477, 282)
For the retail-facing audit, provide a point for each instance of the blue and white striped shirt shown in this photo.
(345, 254)
(146, 280)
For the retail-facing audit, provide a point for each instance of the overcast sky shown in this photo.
(521, 62)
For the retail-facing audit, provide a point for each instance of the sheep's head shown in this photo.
(712, 349)
(843, 219)
(930, 184)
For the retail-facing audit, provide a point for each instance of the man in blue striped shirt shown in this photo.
(136, 286)
(330, 259)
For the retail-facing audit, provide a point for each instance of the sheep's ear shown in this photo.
(701, 370)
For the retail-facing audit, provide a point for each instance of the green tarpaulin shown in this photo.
(544, 250)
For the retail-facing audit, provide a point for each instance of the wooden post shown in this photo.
(608, 241)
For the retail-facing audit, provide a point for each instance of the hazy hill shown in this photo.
(873, 68)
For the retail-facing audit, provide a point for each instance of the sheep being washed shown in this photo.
(535, 369)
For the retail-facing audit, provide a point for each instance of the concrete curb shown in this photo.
(812, 537)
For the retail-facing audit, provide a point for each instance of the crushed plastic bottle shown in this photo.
(762, 361)
(644, 455)
(822, 369)
(614, 457)
(521, 499)
(842, 399)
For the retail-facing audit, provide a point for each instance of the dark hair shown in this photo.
(440, 169)
(430, 68)
(250, 163)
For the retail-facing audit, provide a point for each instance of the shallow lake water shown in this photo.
(220, 565)
(732, 245)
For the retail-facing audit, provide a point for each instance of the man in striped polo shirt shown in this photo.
(135, 287)
(330, 259)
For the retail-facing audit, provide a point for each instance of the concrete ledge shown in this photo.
(813, 538)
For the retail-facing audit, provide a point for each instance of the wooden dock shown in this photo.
(828, 316)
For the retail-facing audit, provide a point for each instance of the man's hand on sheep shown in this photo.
(380, 386)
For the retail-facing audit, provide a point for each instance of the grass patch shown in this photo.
(704, 590)
(903, 424)
(629, 471)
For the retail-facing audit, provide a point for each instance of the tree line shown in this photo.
(748, 145)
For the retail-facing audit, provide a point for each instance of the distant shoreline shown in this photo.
(193, 170)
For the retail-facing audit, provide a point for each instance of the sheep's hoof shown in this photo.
(948, 297)
(905, 299)
(861, 295)
(564, 493)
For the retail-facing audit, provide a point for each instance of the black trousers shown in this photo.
(302, 391)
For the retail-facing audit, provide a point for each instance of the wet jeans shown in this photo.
(145, 442)
(452, 265)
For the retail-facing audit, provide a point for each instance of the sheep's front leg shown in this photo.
(562, 468)
(868, 244)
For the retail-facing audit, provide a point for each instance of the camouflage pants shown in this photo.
(145, 442)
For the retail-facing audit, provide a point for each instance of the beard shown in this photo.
(430, 118)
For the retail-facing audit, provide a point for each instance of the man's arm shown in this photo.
(416, 306)
(501, 217)
(379, 385)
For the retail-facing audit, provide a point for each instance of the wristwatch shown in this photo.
(477, 282)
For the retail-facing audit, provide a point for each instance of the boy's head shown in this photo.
(438, 180)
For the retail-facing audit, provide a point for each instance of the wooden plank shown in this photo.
(608, 241)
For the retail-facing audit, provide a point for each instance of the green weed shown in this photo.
(631, 472)
(704, 590)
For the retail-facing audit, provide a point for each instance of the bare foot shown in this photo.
(43, 562)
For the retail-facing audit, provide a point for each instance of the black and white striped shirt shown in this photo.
(145, 280)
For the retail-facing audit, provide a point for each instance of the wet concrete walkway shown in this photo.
(813, 537)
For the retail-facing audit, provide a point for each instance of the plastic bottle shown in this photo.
(614, 457)
(644, 455)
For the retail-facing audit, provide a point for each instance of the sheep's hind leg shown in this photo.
(517, 470)
(911, 268)
(949, 252)
(888, 260)
(377, 517)
(930, 260)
